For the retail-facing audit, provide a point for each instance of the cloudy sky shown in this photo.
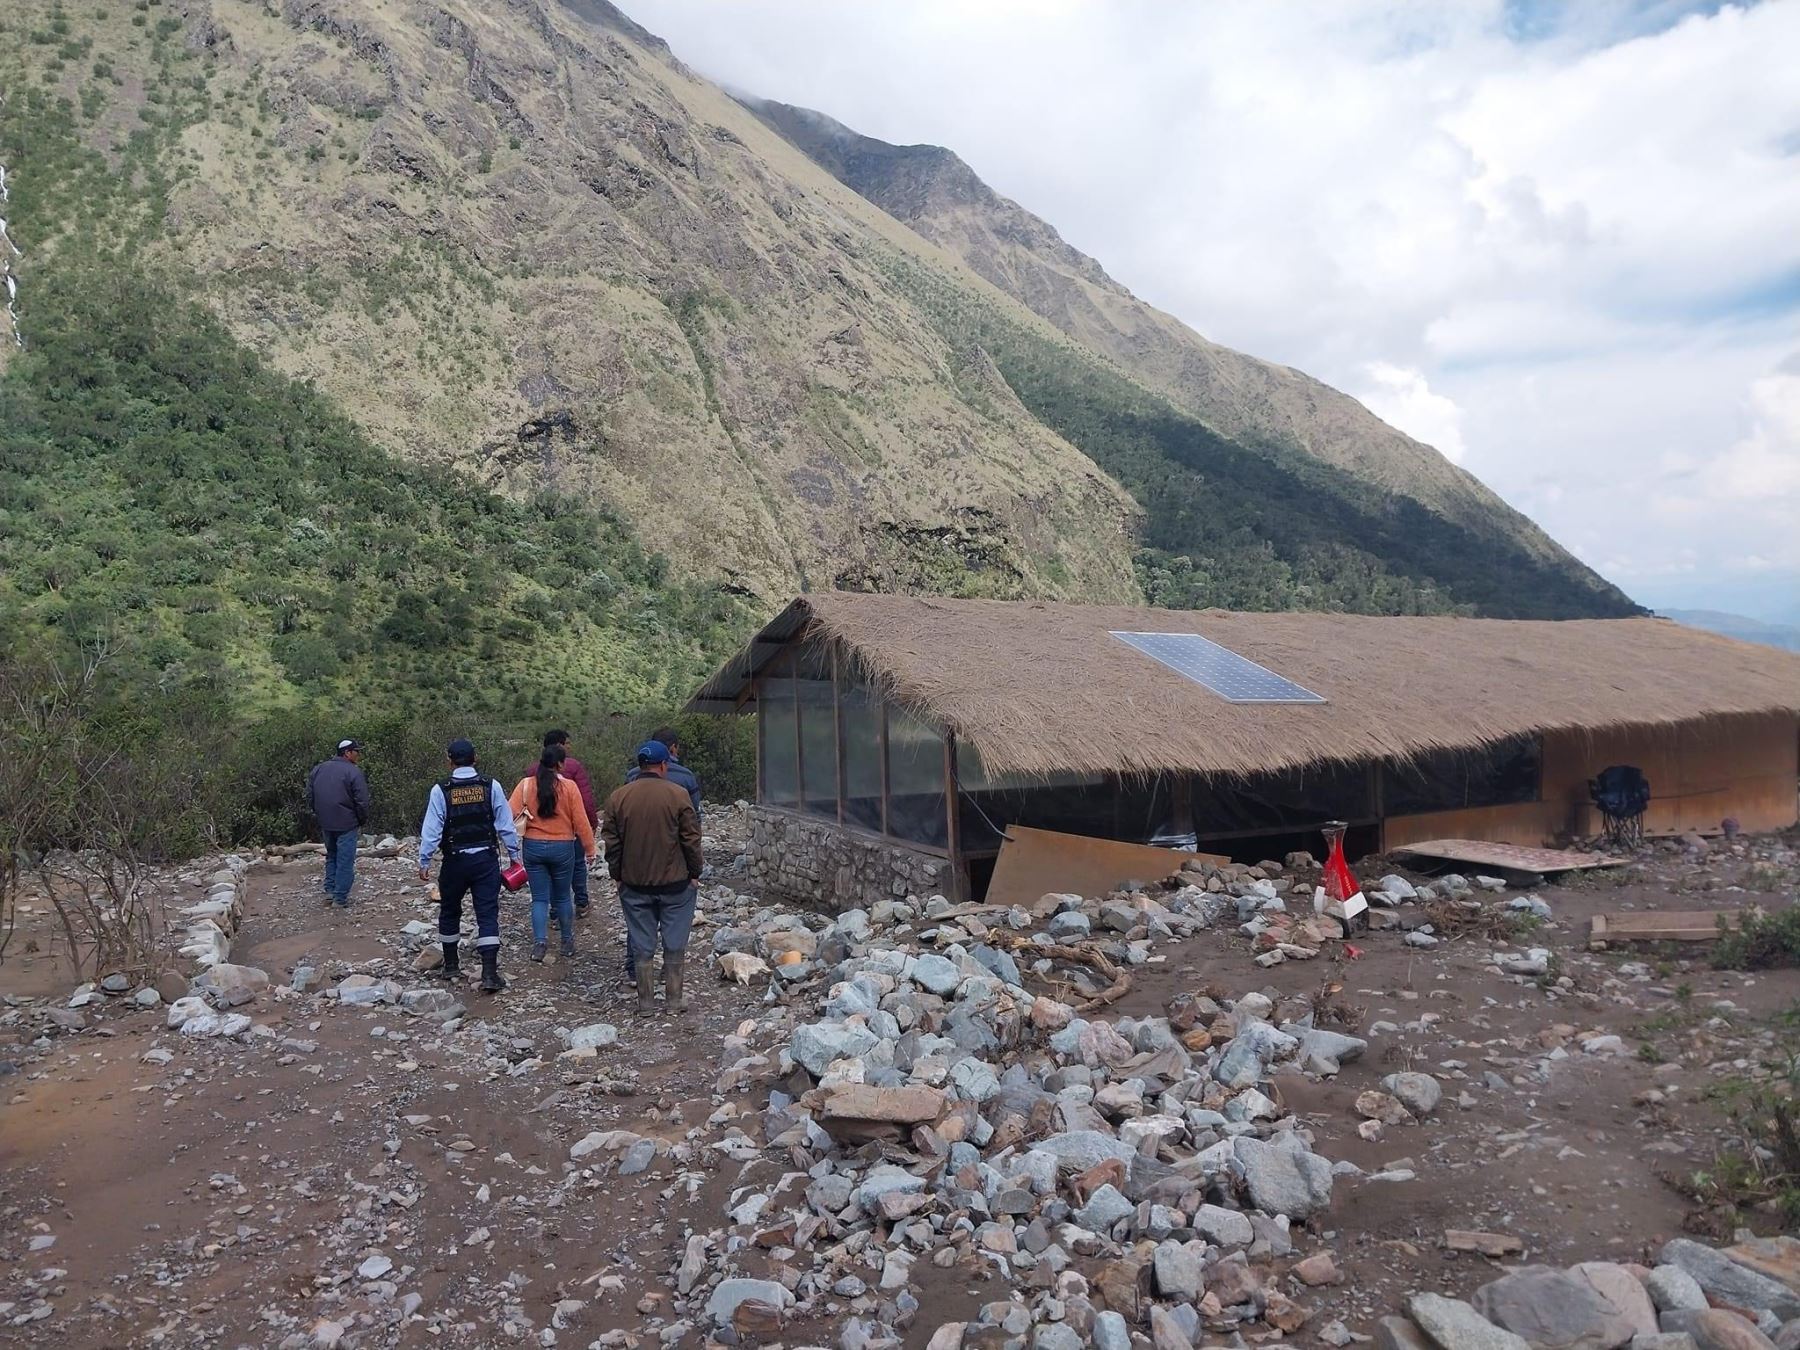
(1558, 239)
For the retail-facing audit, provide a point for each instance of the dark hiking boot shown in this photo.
(491, 981)
(646, 988)
(674, 995)
(452, 968)
(538, 949)
(568, 949)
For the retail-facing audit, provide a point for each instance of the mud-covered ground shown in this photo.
(381, 1178)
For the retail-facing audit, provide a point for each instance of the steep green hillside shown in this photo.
(165, 494)
(161, 488)
(1257, 527)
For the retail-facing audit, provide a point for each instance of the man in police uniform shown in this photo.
(468, 814)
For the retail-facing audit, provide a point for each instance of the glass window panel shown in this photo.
(862, 757)
(916, 780)
(780, 764)
(818, 748)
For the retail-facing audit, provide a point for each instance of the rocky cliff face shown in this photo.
(1254, 401)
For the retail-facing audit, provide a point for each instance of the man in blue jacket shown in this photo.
(681, 776)
(338, 794)
(469, 816)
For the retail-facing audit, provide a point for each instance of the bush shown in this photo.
(1762, 940)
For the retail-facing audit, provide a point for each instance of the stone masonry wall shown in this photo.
(813, 862)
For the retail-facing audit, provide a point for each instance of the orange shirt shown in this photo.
(569, 821)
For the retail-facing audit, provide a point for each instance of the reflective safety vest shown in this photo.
(468, 813)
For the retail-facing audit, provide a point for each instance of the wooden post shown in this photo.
(1181, 809)
(881, 722)
(959, 876)
(837, 724)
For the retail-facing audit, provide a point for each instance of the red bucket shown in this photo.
(513, 877)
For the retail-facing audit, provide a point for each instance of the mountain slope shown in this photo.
(519, 240)
(1785, 636)
(1251, 401)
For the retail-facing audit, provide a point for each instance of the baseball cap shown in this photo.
(461, 750)
(653, 752)
(347, 744)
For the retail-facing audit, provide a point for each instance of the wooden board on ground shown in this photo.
(1668, 925)
(1510, 857)
(1036, 863)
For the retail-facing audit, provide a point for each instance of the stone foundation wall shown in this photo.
(813, 862)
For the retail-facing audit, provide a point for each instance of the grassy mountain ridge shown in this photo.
(1239, 397)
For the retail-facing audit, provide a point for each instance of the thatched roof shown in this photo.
(1039, 687)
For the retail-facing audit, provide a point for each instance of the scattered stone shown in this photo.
(1452, 1324)
(1419, 1093)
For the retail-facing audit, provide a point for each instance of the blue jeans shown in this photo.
(340, 864)
(581, 883)
(550, 865)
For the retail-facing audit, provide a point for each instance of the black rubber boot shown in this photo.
(451, 969)
(674, 995)
(646, 986)
(491, 982)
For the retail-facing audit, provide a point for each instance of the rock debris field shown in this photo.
(1181, 1116)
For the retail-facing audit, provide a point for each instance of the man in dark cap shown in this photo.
(651, 836)
(469, 815)
(338, 794)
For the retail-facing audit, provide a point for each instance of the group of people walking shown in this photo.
(550, 825)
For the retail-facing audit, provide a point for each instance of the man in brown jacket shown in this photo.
(651, 837)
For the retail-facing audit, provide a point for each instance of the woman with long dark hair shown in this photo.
(554, 825)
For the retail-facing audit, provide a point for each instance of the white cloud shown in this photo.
(1400, 396)
(1579, 246)
(1764, 467)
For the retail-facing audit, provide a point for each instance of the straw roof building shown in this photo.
(1040, 697)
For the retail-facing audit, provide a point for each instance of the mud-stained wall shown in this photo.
(1699, 772)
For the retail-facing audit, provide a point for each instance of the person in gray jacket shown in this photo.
(338, 794)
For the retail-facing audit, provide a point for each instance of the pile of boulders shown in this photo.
(1743, 1297)
(1129, 1175)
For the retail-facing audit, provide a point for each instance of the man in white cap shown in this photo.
(338, 794)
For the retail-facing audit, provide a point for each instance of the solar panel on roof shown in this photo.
(1234, 678)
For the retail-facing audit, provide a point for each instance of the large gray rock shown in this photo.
(725, 1299)
(1551, 1308)
(1110, 1332)
(816, 1044)
(1078, 1150)
(1671, 1288)
(1729, 1282)
(1451, 1324)
(1246, 1060)
(936, 974)
(1179, 1268)
(886, 1181)
(1223, 1227)
(1283, 1177)
(1325, 1052)
(1104, 1208)
(1417, 1092)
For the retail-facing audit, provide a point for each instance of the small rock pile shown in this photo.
(1744, 1297)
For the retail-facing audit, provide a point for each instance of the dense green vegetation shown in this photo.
(261, 577)
(160, 486)
(1251, 527)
